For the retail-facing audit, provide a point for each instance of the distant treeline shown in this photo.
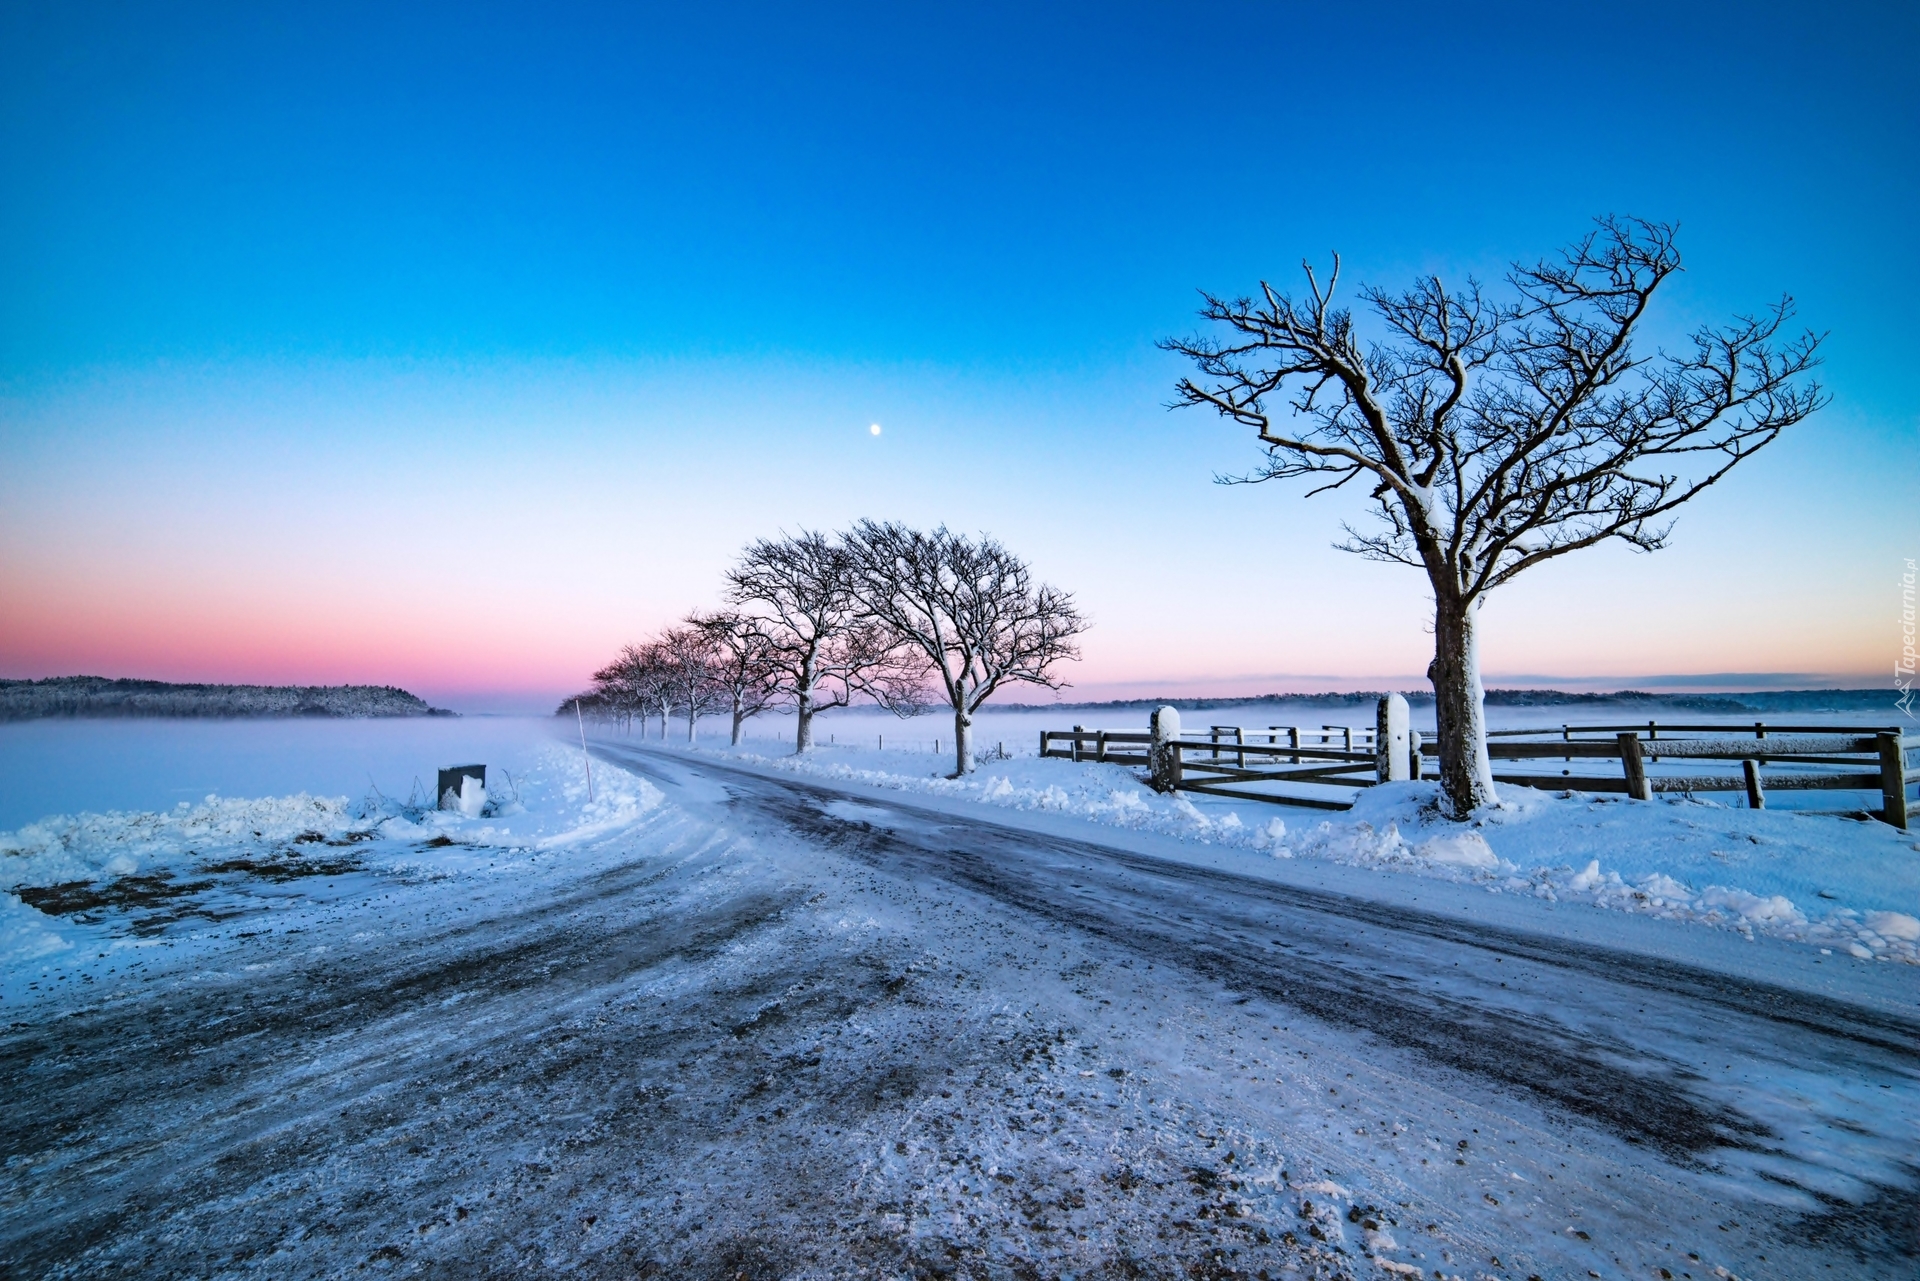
(1793, 700)
(75, 696)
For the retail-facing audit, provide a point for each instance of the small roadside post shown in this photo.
(585, 759)
(1163, 757)
(1393, 723)
(1634, 766)
(1893, 779)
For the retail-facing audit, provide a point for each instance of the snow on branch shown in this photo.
(1497, 433)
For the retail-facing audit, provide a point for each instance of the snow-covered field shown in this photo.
(742, 1015)
(52, 767)
(220, 858)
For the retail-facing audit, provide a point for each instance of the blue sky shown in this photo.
(442, 272)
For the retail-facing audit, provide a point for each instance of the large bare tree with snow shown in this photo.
(741, 664)
(1497, 433)
(798, 593)
(970, 609)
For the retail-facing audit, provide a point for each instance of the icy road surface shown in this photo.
(778, 1028)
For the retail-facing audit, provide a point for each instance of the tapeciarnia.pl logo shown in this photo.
(1903, 666)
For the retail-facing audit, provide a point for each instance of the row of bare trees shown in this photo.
(816, 621)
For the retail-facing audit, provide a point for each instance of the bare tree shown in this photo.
(654, 687)
(971, 609)
(798, 594)
(742, 664)
(686, 661)
(591, 704)
(623, 686)
(1498, 434)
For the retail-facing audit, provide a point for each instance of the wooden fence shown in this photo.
(1241, 762)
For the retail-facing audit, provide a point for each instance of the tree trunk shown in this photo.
(962, 742)
(803, 733)
(738, 720)
(1459, 704)
(693, 718)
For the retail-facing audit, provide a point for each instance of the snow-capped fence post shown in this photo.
(454, 794)
(1635, 767)
(1756, 795)
(1392, 723)
(1416, 766)
(1163, 755)
(1893, 779)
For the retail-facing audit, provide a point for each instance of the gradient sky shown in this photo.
(451, 347)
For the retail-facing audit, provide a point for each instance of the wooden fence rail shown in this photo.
(1233, 760)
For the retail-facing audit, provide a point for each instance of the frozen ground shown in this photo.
(733, 1020)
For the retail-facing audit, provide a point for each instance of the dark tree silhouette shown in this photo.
(686, 666)
(798, 593)
(741, 664)
(970, 610)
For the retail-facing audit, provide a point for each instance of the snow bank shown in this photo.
(539, 807)
(91, 847)
(1837, 883)
(26, 935)
(542, 806)
(1832, 882)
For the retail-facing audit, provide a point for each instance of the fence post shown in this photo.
(1893, 779)
(1043, 744)
(1756, 795)
(1100, 747)
(1391, 725)
(1078, 730)
(1634, 766)
(1163, 754)
(1415, 766)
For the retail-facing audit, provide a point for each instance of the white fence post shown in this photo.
(1163, 755)
(1392, 723)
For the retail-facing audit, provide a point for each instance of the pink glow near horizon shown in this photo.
(467, 539)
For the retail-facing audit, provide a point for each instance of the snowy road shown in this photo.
(799, 1030)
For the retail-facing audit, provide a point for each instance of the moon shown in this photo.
(874, 430)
